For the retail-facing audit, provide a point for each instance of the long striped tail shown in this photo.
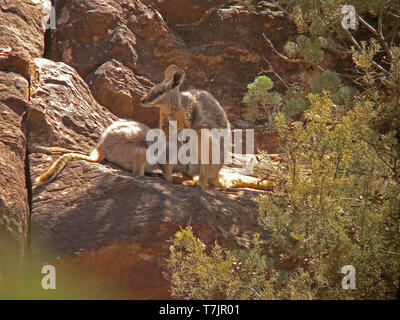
(52, 150)
(225, 180)
(247, 183)
(95, 156)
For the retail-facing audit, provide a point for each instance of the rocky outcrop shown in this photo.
(112, 224)
(220, 47)
(13, 193)
(113, 227)
(96, 221)
(181, 12)
(116, 86)
(62, 111)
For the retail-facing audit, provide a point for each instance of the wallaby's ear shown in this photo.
(178, 78)
(169, 72)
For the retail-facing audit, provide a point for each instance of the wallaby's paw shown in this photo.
(189, 183)
(201, 184)
(180, 180)
(168, 178)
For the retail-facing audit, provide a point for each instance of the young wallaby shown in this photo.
(201, 109)
(122, 143)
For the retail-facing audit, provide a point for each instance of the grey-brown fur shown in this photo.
(201, 108)
(124, 143)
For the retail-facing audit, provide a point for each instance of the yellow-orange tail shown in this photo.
(232, 181)
(95, 156)
(242, 183)
(51, 150)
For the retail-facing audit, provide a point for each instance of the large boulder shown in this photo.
(112, 228)
(62, 111)
(117, 88)
(22, 30)
(102, 41)
(14, 206)
(100, 223)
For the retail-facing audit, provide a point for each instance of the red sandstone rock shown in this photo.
(13, 193)
(221, 48)
(117, 88)
(97, 222)
(62, 111)
(22, 33)
(110, 224)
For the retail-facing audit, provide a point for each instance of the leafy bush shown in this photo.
(222, 274)
(334, 204)
(336, 200)
(259, 97)
(294, 107)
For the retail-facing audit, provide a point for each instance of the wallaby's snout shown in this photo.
(145, 98)
(153, 96)
(163, 92)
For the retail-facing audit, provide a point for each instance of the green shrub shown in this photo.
(221, 274)
(260, 102)
(336, 200)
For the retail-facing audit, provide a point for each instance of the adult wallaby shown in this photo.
(122, 143)
(202, 111)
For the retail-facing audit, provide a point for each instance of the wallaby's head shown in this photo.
(166, 93)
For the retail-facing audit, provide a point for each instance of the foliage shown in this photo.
(308, 49)
(259, 97)
(336, 200)
(223, 274)
(335, 203)
(295, 107)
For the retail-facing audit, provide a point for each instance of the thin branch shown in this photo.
(354, 41)
(280, 7)
(381, 37)
(368, 26)
(287, 59)
(390, 252)
(394, 15)
(344, 50)
(302, 61)
(272, 70)
(394, 32)
(378, 33)
(340, 49)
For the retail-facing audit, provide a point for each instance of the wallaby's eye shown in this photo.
(158, 93)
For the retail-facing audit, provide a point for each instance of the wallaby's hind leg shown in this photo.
(213, 175)
(186, 175)
(138, 169)
(167, 172)
(213, 181)
(203, 149)
(203, 177)
(139, 164)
